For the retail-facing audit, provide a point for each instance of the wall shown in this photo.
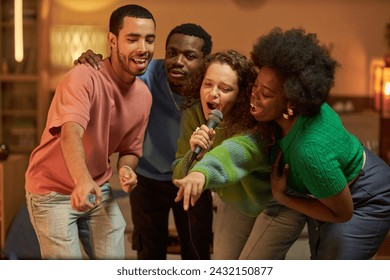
(355, 28)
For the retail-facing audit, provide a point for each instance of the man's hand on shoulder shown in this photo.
(89, 58)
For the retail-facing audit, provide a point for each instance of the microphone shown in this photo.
(215, 117)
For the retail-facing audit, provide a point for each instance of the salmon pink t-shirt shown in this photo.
(114, 115)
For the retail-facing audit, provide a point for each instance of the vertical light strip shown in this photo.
(18, 30)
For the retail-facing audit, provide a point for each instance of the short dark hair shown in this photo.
(192, 29)
(306, 67)
(135, 11)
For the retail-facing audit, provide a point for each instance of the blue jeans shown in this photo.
(57, 226)
(268, 236)
(360, 237)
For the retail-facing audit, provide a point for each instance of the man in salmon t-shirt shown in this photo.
(93, 115)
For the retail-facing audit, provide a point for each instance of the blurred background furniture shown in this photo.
(12, 193)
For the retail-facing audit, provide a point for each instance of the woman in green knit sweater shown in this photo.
(345, 188)
(233, 164)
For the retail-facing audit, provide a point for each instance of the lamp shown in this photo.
(384, 104)
(18, 30)
(380, 88)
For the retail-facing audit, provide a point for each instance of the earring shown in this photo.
(289, 113)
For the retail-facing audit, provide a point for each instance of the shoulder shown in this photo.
(191, 118)
(79, 73)
(78, 80)
(140, 87)
(155, 64)
(244, 138)
(194, 112)
(140, 84)
(155, 68)
(326, 116)
(250, 143)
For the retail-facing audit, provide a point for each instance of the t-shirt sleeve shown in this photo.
(320, 170)
(71, 100)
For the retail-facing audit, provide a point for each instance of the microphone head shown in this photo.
(215, 116)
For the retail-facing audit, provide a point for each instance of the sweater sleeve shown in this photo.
(191, 118)
(231, 161)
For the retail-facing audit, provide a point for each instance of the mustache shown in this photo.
(177, 70)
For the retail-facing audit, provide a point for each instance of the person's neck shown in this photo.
(286, 125)
(176, 89)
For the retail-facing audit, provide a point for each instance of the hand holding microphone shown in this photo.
(202, 138)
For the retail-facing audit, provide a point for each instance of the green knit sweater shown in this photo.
(235, 168)
(322, 155)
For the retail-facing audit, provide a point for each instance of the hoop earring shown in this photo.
(290, 112)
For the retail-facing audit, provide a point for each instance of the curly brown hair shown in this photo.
(239, 120)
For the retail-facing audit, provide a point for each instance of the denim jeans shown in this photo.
(361, 236)
(268, 236)
(57, 226)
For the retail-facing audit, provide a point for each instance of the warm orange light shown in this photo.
(67, 42)
(385, 93)
(386, 89)
(380, 85)
(18, 30)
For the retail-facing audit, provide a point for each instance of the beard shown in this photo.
(125, 63)
(192, 84)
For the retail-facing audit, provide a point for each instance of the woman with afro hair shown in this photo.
(344, 188)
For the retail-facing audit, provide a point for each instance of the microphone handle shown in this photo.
(210, 124)
(198, 149)
(193, 157)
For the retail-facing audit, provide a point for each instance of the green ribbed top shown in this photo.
(322, 155)
(235, 168)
